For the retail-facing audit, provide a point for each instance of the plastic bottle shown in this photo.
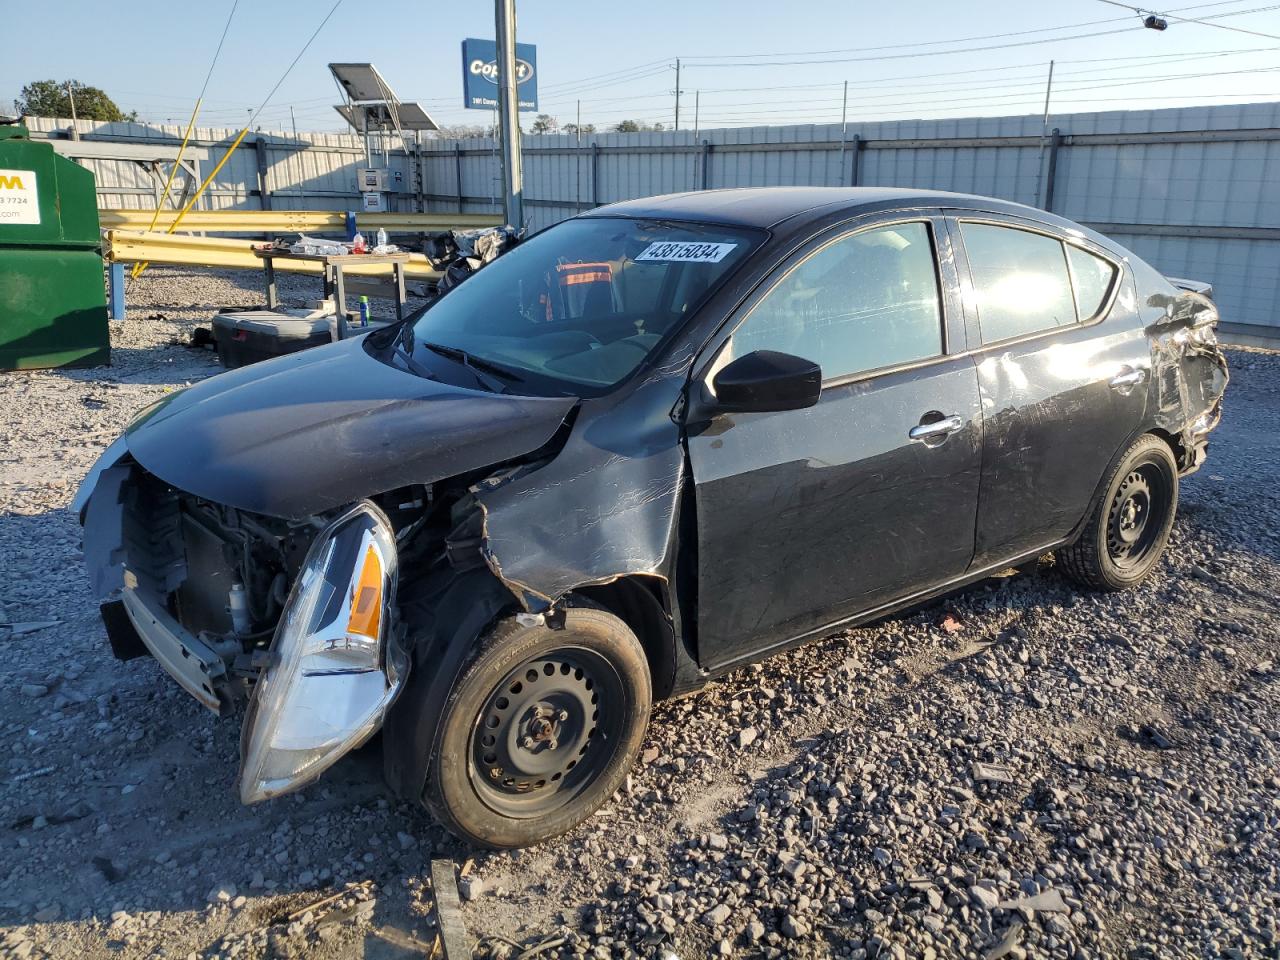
(357, 244)
(364, 311)
(382, 240)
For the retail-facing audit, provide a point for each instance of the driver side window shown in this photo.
(864, 301)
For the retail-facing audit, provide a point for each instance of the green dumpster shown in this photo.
(53, 306)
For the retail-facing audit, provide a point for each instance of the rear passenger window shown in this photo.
(1020, 280)
(1092, 277)
(865, 301)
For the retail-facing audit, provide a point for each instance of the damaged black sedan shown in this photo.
(648, 445)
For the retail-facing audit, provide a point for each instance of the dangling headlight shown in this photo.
(334, 669)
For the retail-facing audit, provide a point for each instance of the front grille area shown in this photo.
(152, 534)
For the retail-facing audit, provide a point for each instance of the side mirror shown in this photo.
(765, 381)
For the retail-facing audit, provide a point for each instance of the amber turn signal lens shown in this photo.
(366, 598)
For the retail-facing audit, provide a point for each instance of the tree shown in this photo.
(463, 131)
(636, 126)
(544, 123)
(573, 129)
(50, 98)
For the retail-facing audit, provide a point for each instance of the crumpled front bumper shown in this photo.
(322, 687)
(187, 659)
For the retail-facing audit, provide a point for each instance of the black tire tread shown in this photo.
(504, 635)
(1083, 561)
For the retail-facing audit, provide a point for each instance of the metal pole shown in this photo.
(364, 130)
(697, 106)
(677, 93)
(578, 159)
(1055, 141)
(1044, 130)
(844, 125)
(75, 133)
(509, 109)
(294, 121)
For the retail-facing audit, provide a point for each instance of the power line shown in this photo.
(928, 43)
(980, 49)
(904, 95)
(624, 75)
(1061, 91)
(1205, 22)
(284, 76)
(613, 73)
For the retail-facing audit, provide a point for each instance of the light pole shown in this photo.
(509, 113)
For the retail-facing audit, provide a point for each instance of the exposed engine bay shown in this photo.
(225, 574)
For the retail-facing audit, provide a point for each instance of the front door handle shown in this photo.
(1129, 378)
(937, 429)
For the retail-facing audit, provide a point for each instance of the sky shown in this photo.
(745, 62)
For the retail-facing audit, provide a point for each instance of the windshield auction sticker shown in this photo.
(19, 201)
(685, 251)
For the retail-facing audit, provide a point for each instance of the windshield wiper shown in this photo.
(478, 366)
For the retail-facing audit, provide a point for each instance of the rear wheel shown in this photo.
(1129, 522)
(540, 730)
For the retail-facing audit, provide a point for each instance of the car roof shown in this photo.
(769, 206)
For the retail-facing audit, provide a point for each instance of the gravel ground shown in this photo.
(1022, 771)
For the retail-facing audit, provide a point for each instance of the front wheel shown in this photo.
(1129, 522)
(540, 729)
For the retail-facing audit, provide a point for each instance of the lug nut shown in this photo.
(552, 743)
(564, 715)
(527, 743)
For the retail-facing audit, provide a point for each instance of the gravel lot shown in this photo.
(1021, 771)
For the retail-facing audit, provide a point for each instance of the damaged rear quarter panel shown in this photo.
(1188, 368)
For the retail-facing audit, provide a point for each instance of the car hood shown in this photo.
(315, 430)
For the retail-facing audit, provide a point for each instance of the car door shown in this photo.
(1062, 370)
(807, 517)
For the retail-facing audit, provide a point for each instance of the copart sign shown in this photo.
(19, 199)
(480, 74)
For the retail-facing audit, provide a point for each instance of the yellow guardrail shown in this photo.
(273, 222)
(139, 246)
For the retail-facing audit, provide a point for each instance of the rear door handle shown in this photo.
(939, 428)
(1130, 377)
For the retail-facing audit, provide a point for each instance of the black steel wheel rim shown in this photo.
(1137, 515)
(546, 732)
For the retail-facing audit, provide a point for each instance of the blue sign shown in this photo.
(480, 74)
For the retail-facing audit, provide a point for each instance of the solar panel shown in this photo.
(411, 115)
(362, 81)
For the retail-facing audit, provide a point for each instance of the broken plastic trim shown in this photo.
(335, 666)
(1189, 367)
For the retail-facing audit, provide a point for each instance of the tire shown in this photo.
(540, 729)
(1129, 521)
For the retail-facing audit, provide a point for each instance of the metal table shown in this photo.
(336, 284)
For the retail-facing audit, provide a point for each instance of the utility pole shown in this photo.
(294, 121)
(677, 93)
(844, 127)
(1044, 130)
(1048, 91)
(509, 113)
(71, 94)
(697, 106)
